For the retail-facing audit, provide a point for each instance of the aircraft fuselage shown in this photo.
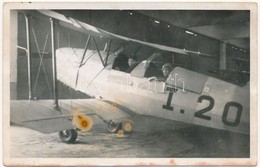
(187, 96)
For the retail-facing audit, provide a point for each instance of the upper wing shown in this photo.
(74, 24)
(40, 115)
(91, 30)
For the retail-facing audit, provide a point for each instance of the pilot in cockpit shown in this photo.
(125, 63)
(132, 62)
(166, 70)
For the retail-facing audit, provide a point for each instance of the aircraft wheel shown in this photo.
(68, 136)
(112, 127)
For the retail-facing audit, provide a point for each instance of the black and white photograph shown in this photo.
(149, 83)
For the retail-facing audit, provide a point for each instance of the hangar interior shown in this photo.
(220, 40)
(222, 34)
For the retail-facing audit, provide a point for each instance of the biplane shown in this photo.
(184, 98)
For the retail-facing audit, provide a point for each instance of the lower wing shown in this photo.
(40, 115)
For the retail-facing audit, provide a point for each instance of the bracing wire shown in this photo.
(66, 37)
(41, 61)
(77, 55)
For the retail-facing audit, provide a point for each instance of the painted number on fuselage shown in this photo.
(238, 115)
(168, 106)
(200, 113)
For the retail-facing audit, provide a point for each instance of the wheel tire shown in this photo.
(68, 136)
(112, 127)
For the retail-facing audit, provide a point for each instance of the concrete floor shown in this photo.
(27, 143)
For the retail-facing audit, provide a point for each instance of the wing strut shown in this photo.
(85, 51)
(98, 51)
(28, 51)
(83, 57)
(54, 69)
(109, 46)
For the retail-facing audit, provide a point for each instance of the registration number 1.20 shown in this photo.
(202, 113)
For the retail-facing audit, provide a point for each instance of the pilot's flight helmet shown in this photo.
(167, 66)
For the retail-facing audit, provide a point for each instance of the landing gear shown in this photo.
(112, 127)
(68, 136)
(125, 127)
